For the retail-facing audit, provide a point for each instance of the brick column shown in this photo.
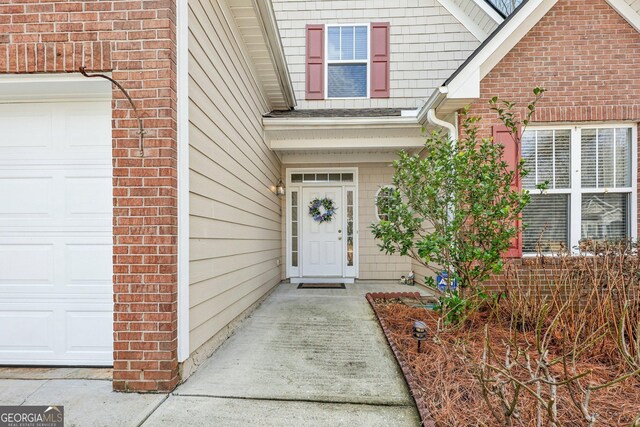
(145, 205)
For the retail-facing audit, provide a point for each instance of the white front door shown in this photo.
(56, 293)
(322, 244)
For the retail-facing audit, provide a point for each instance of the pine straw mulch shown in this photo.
(443, 377)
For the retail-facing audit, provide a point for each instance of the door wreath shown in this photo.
(322, 210)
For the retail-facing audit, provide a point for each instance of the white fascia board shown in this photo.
(317, 144)
(627, 12)
(464, 19)
(339, 158)
(302, 123)
(182, 34)
(482, 4)
(469, 88)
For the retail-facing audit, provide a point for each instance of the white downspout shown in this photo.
(451, 128)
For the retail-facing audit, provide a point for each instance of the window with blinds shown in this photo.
(589, 190)
(347, 61)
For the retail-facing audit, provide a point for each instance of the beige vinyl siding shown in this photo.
(374, 265)
(427, 45)
(234, 241)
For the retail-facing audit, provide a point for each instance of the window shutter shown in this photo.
(380, 54)
(502, 136)
(314, 87)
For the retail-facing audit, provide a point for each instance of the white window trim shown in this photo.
(335, 61)
(375, 199)
(576, 190)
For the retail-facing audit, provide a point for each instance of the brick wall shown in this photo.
(135, 40)
(586, 56)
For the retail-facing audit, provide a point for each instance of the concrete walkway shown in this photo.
(304, 357)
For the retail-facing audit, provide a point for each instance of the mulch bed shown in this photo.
(445, 390)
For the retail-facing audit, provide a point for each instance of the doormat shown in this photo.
(321, 286)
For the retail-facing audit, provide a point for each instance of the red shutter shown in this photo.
(380, 54)
(315, 62)
(502, 136)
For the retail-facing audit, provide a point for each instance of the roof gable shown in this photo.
(464, 84)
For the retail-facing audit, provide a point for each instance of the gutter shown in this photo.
(276, 51)
(428, 113)
(434, 101)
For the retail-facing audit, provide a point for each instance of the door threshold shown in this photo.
(297, 280)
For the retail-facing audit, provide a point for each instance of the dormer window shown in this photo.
(347, 61)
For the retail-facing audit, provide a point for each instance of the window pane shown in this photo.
(545, 157)
(563, 158)
(350, 228)
(346, 47)
(322, 177)
(347, 80)
(604, 216)
(308, 177)
(623, 157)
(362, 48)
(347, 177)
(605, 158)
(546, 220)
(294, 198)
(333, 40)
(529, 156)
(588, 158)
(334, 177)
(296, 177)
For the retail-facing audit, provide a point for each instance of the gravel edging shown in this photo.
(425, 416)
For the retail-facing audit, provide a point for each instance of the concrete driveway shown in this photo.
(312, 357)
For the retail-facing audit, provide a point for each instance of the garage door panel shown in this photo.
(26, 126)
(61, 335)
(79, 189)
(27, 330)
(27, 264)
(96, 132)
(26, 197)
(89, 331)
(89, 266)
(52, 266)
(56, 262)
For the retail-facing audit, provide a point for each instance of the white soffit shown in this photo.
(262, 43)
(491, 12)
(464, 19)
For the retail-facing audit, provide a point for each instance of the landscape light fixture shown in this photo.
(419, 332)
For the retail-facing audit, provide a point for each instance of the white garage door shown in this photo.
(56, 297)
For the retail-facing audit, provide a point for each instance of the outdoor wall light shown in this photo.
(419, 332)
(280, 190)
